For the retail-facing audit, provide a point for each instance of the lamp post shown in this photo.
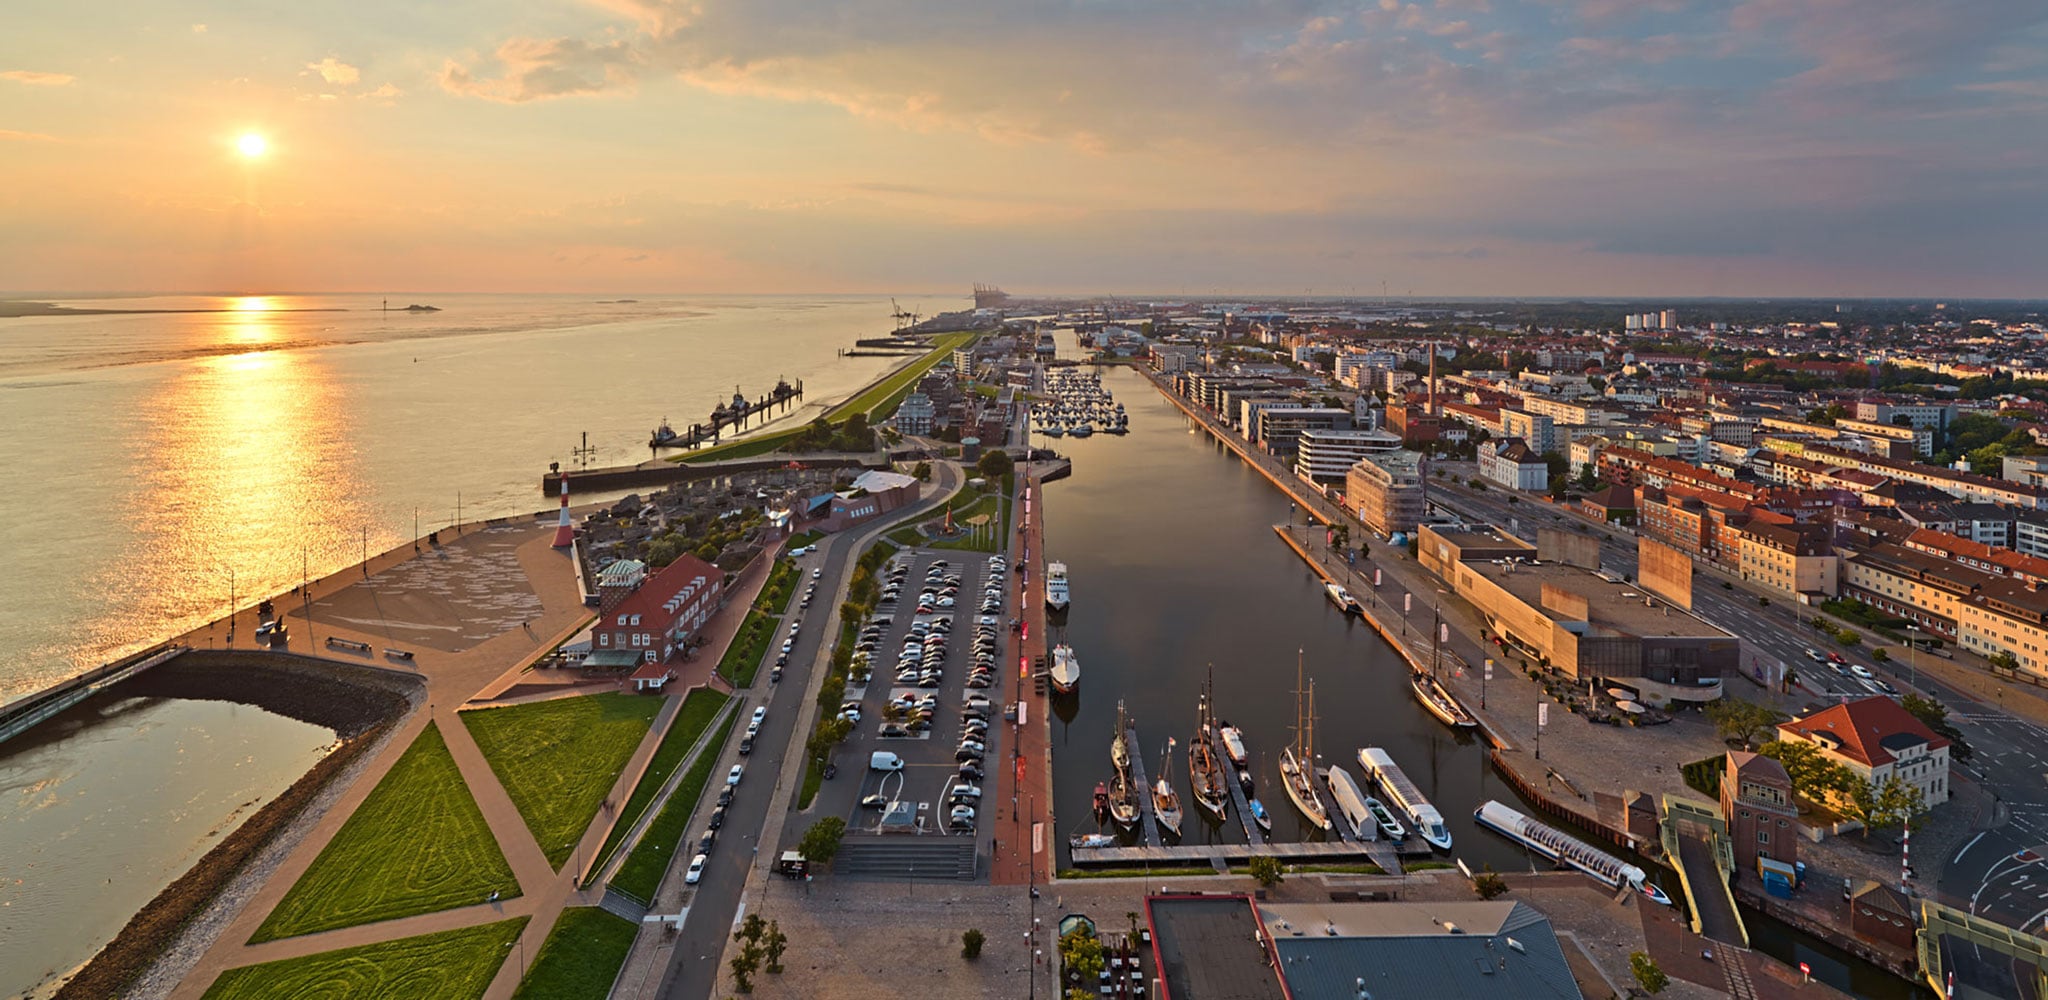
(1913, 655)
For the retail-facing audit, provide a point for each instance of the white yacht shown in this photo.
(1056, 586)
(1066, 669)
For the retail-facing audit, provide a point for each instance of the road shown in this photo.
(775, 770)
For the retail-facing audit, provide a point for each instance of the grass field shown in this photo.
(641, 873)
(417, 844)
(881, 398)
(775, 593)
(445, 965)
(558, 759)
(581, 957)
(742, 659)
(697, 712)
(800, 541)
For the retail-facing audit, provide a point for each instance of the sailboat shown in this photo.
(1297, 762)
(1165, 804)
(1205, 775)
(1123, 802)
(1119, 749)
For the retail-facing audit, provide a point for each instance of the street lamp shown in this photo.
(1913, 655)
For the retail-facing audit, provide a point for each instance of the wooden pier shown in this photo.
(1148, 824)
(1302, 852)
(1252, 834)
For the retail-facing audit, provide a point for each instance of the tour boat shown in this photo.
(1439, 701)
(1233, 743)
(1166, 804)
(1297, 762)
(1066, 669)
(1380, 767)
(1205, 775)
(1056, 586)
(1559, 846)
(1350, 803)
(1342, 599)
(1385, 818)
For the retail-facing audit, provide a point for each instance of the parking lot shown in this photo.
(934, 699)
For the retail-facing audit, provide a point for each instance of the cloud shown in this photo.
(385, 94)
(335, 71)
(10, 135)
(536, 69)
(199, 29)
(35, 79)
(1469, 253)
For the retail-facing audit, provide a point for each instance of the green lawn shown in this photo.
(417, 844)
(445, 965)
(742, 659)
(814, 778)
(558, 759)
(882, 397)
(581, 957)
(907, 537)
(760, 444)
(774, 596)
(805, 539)
(697, 712)
(641, 873)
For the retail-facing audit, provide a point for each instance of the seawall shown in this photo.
(662, 472)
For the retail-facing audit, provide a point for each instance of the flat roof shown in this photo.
(1209, 949)
(1616, 606)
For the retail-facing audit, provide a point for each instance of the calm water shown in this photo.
(155, 455)
(84, 844)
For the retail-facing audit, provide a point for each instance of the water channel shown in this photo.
(1176, 572)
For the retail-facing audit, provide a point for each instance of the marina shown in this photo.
(1379, 767)
(734, 415)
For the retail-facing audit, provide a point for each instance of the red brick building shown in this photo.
(1756, 799)
(1880, 913)
(659, 617)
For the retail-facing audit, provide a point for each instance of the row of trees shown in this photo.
(761, 941)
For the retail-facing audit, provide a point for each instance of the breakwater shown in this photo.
(661, 472)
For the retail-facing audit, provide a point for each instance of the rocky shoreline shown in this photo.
(363, 704)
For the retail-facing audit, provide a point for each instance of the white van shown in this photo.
(883, 760)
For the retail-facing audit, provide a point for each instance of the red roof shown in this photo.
(661, 585)
(653, 672)
(1862, 727)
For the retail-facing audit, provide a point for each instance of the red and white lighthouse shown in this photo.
(565, 532)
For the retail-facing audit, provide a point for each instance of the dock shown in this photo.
(1148, 824)
(1252, 834)
(1306, 852)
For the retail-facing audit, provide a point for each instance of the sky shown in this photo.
(1135, 147)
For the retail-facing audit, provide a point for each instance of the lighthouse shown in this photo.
(565, 532)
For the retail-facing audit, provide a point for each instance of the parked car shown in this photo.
(696, 872)
(732, 777)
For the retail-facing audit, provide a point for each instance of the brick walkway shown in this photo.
(1030, 799)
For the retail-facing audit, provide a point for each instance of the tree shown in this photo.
(2003, 660)
(821, 841)
(1813, 776)
(775, 943)
(1880, 655)
(970, 943)
(995, 463)
(923, 472)
(1735, 719)
(1081, 953)
(1848, 636)
(744, 965)
(1934, 715)
(1488, 883)
(1893, 803)
(1267, 870)
(1651, 978)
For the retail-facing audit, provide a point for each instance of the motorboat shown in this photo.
(1379, 767)
(1259, 816)
(1102, 802)
(1385, 818)
(1342, 599)
(1091, 840)
(1350, 804)
(1066, 669)
(1056, 586)
(1566, 850)
(1233, 743)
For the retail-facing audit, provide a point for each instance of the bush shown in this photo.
(970, 943)
(821, 841)
(1648, 975)
(1488, 883)
(1267, 870)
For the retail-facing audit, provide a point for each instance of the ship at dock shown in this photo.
(1297, 762)
(1342, 599)
(1066, 669)
(1205, 774)
(1438, 701)
(1566, 850)
(1379, 767)
(1056, 586)
(730, 415)
(1165, 803)
(1350, 804)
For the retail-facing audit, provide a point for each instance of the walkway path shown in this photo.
(1028, 785)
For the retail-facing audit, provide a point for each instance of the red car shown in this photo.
(1836, 658)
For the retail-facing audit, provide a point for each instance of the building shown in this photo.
(1534, 428)
(1756, 800)
(1583, 624)
(1880, 913)
(1279, 429)
(658, 619)
(915, 415)
(1614, 503)
(1388, 491)
(1789, 558)
(1230, 946)
(1513, 465)
(872, 494)
(1326, 456)
(1877, 740)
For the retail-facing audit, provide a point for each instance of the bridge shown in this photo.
(23, 714)
(1967, 956)
(1696, 837)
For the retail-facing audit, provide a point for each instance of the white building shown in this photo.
(1510, 464)
(914, 417)
(1326, 456)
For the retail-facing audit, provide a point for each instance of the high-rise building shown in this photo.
(1388, 490)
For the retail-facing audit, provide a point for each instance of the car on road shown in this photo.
(1861, 671)
(816, 573)
(1834, 657)
(717, 817)
(746, 745)
(725, 794)
(760, 716)
(704, 843)
(875, 801)
(1886, 686)
(732, 777)
(1814, 655)
(696, 872)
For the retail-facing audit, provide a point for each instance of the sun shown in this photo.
(252, 145)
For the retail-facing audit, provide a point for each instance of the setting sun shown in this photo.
(252, 145)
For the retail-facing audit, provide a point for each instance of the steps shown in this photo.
(897, 857)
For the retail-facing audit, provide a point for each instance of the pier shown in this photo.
(1252, 834)
(1148, 825)
(1299, 852)
(734, 415)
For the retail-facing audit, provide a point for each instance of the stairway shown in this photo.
(904, 856)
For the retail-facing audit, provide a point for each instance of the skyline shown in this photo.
(1763, 148)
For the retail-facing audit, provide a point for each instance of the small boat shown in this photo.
(1166, 804)
(1297, 761)
(1123, 802)
(664, 436)
(1101, 802)
(1258, 811)
(1119, 745)
(1564, 849)
(1385, 818)
(1439, 701)
(1244, 780)
(1053, 430)
(1081, 430)
(1091, 840)
(1379, 766)
(1066, 669)
(1342, 599)
(1233, 743)
(1056, 586)
(1351, 803)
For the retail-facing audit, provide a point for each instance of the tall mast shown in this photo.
(1297, 702)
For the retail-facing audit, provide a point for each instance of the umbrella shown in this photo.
(1630, 707)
